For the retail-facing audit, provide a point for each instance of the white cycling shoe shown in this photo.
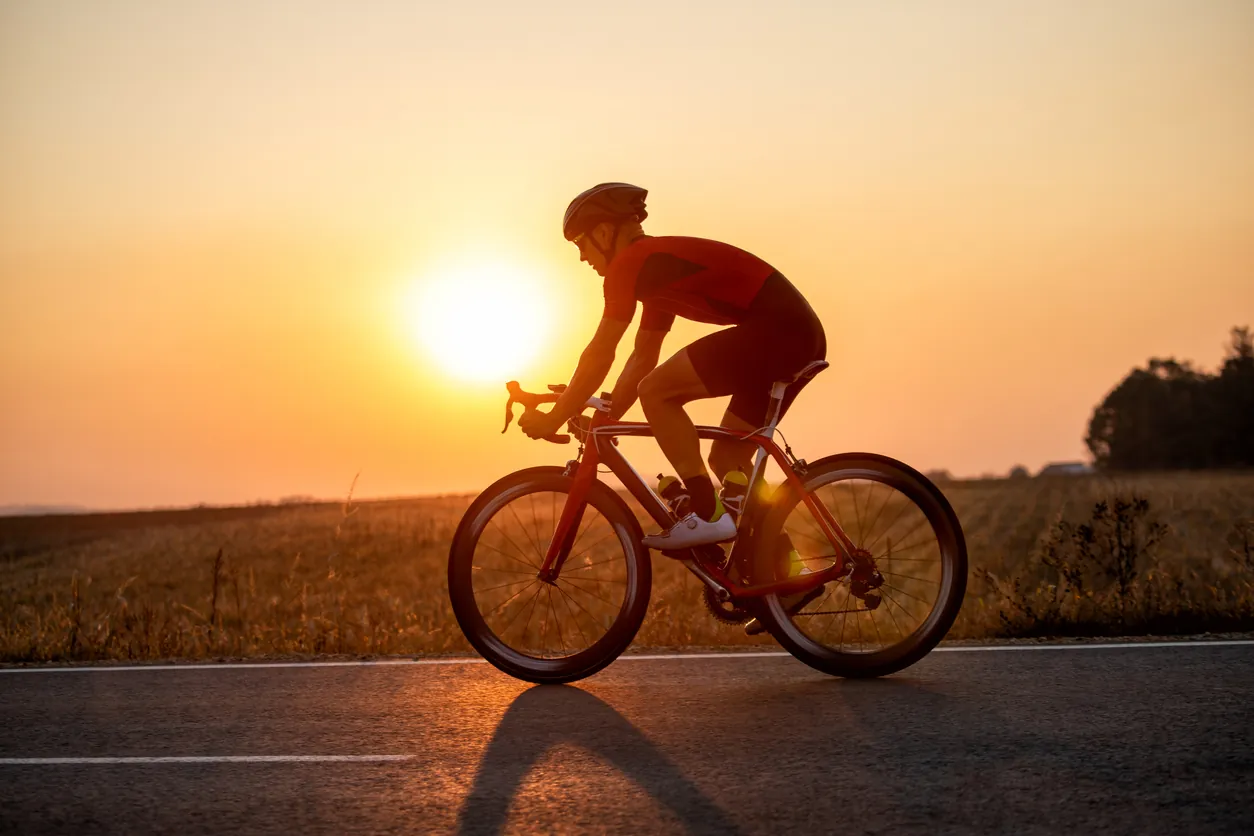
(693, 531)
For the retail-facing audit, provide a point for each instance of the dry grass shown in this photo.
(369, 578)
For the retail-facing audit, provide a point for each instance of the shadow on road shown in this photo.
(549, 715)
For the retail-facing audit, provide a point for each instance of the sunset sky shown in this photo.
(225, 226)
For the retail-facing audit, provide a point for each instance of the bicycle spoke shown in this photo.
(823, 542)
(898, 605)
(917, 544)
(835, 506)
(922, 522)
(557, 621)
(908, 577)
(588, 549)
(520, 551)
(505, 603)
(544, 625)
(507, 556)
(900, 632)
(527, 626)
(887, 499)
(857, 516)
(565, 599)
(503, 571)
(535, 520)
(591, 580)
(828, 596)
(879, 638)
(514, 617)
(831, 621)
(858, 623)
(585, 610)
(844, 622)
(907, 594)
(593, 595)
(502, 586)
(590, 565)
(517, 519)
(906, 505)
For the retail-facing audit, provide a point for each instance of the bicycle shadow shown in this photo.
(547, 716)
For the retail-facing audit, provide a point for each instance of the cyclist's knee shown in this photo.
(653, 388)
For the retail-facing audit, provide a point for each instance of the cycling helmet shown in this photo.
(603, 202)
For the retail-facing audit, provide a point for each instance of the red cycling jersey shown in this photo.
(690, 277)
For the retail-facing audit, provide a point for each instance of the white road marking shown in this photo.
(642, 657)
(211, 759)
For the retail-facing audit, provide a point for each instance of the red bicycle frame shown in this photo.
(600, 446)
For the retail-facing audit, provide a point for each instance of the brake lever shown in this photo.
(528, 401)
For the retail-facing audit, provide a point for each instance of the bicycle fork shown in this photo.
(572, 516)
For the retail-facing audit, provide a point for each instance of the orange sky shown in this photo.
(214, 217)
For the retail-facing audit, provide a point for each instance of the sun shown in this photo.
(483, 322)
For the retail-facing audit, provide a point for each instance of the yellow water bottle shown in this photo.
(732, 496)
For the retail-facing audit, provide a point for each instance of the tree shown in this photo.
(1235, 394)
(1172, 416)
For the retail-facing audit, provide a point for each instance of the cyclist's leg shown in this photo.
(663, 393)
(746, 413)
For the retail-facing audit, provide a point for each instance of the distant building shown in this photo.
(939, 476)
(1065, 469)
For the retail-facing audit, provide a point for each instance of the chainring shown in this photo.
(726, 613)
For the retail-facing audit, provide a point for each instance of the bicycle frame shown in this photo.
(600, 446)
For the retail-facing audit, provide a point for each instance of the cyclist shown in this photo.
(774, 334)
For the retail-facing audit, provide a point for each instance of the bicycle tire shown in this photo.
(950, 548)
(637, 571)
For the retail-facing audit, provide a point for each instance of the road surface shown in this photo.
(1137, 740)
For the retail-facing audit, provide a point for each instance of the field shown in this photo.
(1166, 553)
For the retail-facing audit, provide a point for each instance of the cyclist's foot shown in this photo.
(693, 531)
(753, 627)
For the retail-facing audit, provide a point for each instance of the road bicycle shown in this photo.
(854, 563)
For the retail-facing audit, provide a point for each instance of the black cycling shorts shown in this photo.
(778, 338)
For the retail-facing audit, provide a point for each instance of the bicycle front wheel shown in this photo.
(889, 612)
(533, 629)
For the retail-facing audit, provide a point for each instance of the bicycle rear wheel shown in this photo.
(536, 630)
(880, 618)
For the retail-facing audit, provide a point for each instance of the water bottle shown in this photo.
(674, 494)
(735, 487)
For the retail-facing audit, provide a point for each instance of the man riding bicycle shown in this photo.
(774, 334)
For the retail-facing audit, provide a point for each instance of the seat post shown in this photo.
(778, 389)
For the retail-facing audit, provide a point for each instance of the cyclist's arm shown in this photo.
(594, 365)
(643, 360)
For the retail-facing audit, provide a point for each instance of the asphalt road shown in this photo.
(1100, 740)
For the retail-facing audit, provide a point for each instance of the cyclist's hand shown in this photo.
(537, 424)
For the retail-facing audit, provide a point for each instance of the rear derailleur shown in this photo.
(864, 579)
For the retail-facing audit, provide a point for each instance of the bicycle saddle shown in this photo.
(808, 373)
